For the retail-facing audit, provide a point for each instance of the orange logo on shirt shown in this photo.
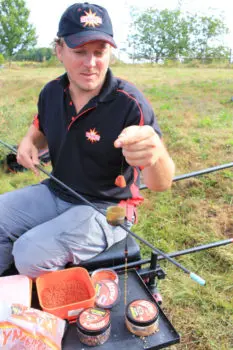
(92, 136)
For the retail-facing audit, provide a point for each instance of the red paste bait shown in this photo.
(120, 181)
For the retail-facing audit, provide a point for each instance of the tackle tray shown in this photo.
(120, 337)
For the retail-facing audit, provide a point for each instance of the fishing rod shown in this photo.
(192, 275)
(180, 253)
(199, 248)
(197, 173)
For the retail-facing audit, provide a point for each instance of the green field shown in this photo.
(194, 109)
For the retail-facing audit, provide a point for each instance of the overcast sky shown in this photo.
(45, 14)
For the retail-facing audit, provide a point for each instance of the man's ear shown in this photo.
(113, 58)
(58, 51)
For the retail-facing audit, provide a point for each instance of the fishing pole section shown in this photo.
(113, 221)
(180, 253)
(197, 173)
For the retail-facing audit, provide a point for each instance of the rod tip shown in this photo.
(197, 279)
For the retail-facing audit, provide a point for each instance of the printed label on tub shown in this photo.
(107, 293)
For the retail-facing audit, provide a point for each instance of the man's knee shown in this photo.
(4, 213)
(32, 260)
(11, 225)
(23, 257)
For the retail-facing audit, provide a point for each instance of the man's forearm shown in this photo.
(37, 137)
(158, 177)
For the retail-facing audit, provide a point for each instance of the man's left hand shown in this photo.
(141, 145)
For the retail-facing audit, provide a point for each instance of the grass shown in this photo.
(194, 110)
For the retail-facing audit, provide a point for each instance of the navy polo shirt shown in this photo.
(81, 145)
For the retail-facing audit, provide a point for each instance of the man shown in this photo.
(100, 131)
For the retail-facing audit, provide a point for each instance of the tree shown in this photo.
(36, 54)
(158, 34)
(171, 34)
(15, 31)
(206, 33)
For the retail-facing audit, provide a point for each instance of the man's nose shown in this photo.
(90, 60)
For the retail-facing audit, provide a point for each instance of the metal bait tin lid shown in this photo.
(107, 293)
(141, 312)
(93, 321)
(103, 274)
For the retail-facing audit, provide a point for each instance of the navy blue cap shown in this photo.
(83, 22)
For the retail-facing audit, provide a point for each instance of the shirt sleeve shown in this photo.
(37, 120)
(141, 112)
(149, 118)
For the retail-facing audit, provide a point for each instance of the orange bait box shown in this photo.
(107, 293)
(142, 317)
(94, 326)
(65, 293)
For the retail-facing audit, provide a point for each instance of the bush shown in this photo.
(52, 62)
(2, 59)
(172, 63)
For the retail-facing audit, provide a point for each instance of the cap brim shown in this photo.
(79, 39)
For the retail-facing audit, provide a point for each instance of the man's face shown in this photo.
(87, 65)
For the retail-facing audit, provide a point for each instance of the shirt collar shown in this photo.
(64, 81)
(107, 92)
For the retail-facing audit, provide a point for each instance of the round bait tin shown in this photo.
(94, 326)
(104, 274)
(107, 293)
(142, 317)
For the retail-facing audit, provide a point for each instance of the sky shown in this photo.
(45, 15)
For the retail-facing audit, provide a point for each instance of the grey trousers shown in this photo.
(42, 233)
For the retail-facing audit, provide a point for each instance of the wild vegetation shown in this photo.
(194, 108)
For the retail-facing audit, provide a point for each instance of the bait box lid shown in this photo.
(120, 337)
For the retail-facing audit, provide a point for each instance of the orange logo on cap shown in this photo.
(91, 19)
(92, 136)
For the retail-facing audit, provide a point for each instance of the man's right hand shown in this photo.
(27, 155)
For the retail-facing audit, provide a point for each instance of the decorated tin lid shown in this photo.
(104, 274)
(142, 312)
(107, 293)
(93, 321)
